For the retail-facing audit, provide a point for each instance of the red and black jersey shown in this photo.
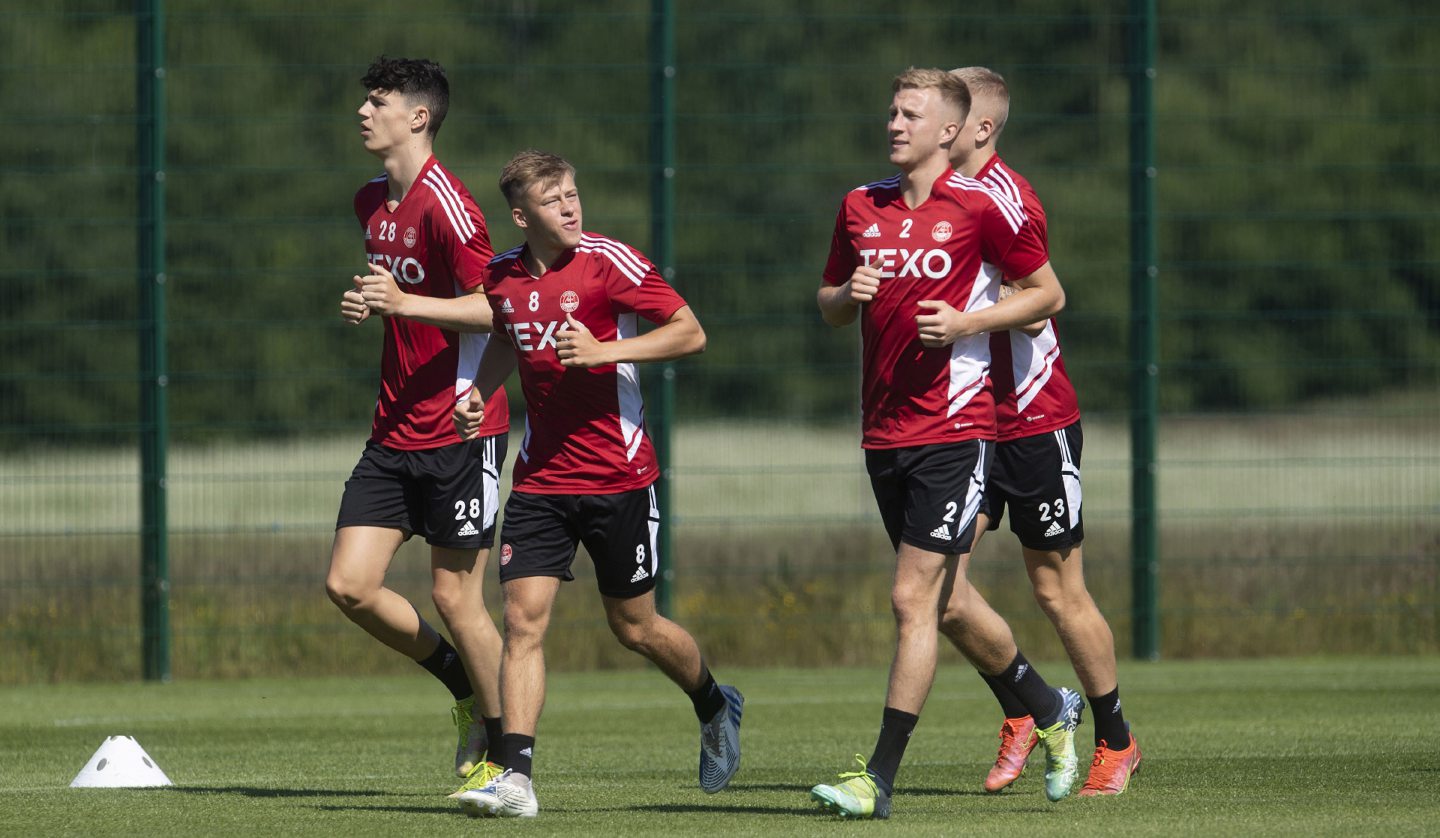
(435, 243)
(1033, 393)
(584, 428)
(953, 247)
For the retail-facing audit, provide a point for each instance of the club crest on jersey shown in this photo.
(569, 301)
(506, 553)
(506, 307)
(942, 231)
(411, 236)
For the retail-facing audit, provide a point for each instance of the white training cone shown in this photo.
(120, 763)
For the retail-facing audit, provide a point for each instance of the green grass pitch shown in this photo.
(1335, 746)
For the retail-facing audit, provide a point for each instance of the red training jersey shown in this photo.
(953, 247)
(584, 428)
(1033, 394)
(435, 243)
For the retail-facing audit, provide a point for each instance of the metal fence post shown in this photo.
(662, 243)
(150, 274)
(1144, 310)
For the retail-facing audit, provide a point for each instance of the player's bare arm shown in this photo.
(496, 364)
(840, 304)
(1032, 329)
(1037, 297)
(677, 337)
(383, 295)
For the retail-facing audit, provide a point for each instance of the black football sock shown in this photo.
(707, 698)
(1109, 721)
(518, 752)
(895, 729)
(444, 663)
(493, 734)
(1009, 704)
(1036, 696)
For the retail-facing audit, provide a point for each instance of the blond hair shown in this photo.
(950, 87)
(985, 83)
(530, 167)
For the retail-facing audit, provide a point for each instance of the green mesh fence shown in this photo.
(1298, 452)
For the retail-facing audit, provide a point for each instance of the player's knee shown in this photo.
(907, 601)
(1058, 600)
(348, 597)
(449, 601)
(633, 639)
(911, 608)
(524, 628)
(1052, 600)
(632, 634)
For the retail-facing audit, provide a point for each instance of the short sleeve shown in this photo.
(463, 240)
(634, 284)
(841, 264)
(1009, 240)
(364, 205)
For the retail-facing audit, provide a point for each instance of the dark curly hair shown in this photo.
(418, 79)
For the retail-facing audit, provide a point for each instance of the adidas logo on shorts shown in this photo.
(468, 529)
(941, 532)
(1055, 529)
(639, 574)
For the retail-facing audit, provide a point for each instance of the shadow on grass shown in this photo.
(702, 808)
(438, 809)
(785, 787)
(803, 804)
(921, 791)
(903, 791)
(256, 791)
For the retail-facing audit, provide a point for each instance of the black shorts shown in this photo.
(449, 495)
(929, 495)
(1038, 477)
(620, 532)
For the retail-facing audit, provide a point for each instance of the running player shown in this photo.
(415, 475)
(911, 259)
(567, 306)
(1037, 476)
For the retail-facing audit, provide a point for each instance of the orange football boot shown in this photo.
(1110, 771)
(1017, 740)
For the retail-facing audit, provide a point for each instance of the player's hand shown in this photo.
(352, 307)
(380, 291)
(941, 325)
(864, 284)
(577, 347)
(469, 413)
